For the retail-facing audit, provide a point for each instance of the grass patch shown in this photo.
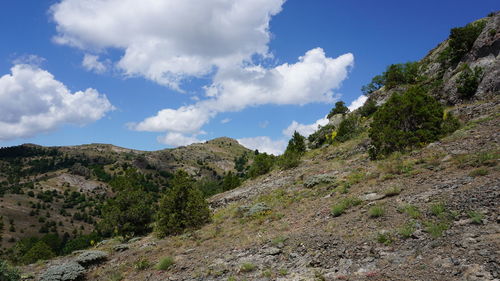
(384, 238)
(356, 177)
(475, 217)
(410, 210)
(479, 172)
(392, 191)
(339, 208)
(283, 272)
(477, 160)
(407, 230)
(142, 264)
(376, 211)
(165, 263)
(247, 267)
(115, 276)
(278, 240)
(438, 209)
(436, 229)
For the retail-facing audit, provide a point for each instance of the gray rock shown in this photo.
(372, 196)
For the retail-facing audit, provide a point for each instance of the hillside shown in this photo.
(60, 189)
(342, 210)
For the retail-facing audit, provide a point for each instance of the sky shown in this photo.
(155, 74)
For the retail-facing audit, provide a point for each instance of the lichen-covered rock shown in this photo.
(65, 272)
(317, 179)
(91, 257)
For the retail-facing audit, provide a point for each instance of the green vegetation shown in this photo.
(321, 136)
(348, 128)
(461, 41)
(395, 75)
(436, 228)
(475, 217)
(438, 209)
(392, 191)
(407, 230)
(247, 267)
(165, 263)
(368, 109)
(468, 81)
(405, 121)
(384, 238)
(142, 264)
(340, 208)
(376, 211)
(410, 210)
(128, 214)
(39, 251)
(8, 273)
(339, 108)
(261, 165)
(295, 149)
(182, 207)
(478, 172)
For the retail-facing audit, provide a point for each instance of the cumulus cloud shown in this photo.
(225, 121)
(178, 139)
(357, 103)
(32, 102)
(304, 129)
(312, 79)
(166, 41)
(92, 63)
(264, 144)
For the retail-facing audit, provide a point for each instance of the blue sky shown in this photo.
(149, 74)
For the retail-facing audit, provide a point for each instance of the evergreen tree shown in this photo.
(39, 251)
(339, 108)
(182, 207)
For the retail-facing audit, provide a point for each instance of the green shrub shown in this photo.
(384, 238)
(368, 109)
(461, 41)
(321, 136)
(376, 83)
(8, 273)
(142, 264)
(182, 207)
(289, 160)
(339, 108)
(348, 128)
(479, 172)
(165, 263)
(392, 191)
(405, 121)
(401, 74)
(39, 251)
(261, 165)
(376, 211)
(128, 214)
(468, 81)
(450, 124)
(436, 228)
(411, 211)
(438, 209)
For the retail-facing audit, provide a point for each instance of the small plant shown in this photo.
(475, 217)
(411, 211)
(283, 272)
(278, 240)
(142, 264)
(468, 81)
(384, 238)
(392, 191)
(247, 267)
(376, 211)
(407, 230)
(438, 209)
(339, 208)
(231, 278)
(165, 263)
(436, 229)
(8, 273)
(479, 172)
(116, 276)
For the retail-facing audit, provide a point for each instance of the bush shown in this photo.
(182, 207)
(450, 124)
(348, 128)
(261, 165)
(376, 211)
(80, 242)
(247, 267)
(339, 208)
(405, 121)
(8, 273)
(142, 264)
(475, 217)
(368, 108)
(91, 257)
(165, 263)
(407, 230)
(295, 149)
(128, 214)
(321, 136)
(39, 251)
(339, 108)
(401, 74)
(461, 41)
(66, 272)
(468, 81)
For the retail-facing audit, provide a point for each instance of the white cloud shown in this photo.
(264, 144)
(311, 79)
(32, 102)
(304, 129)
(264, 124)
(166, 41)
(92, 63)
(178, 139)
(358, 103)
(225, 121)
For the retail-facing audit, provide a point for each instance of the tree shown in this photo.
(182, 207)
(8, 273)
(261, 165)
(39, 251)
(368, 108)
(348, 128)
(230, 181)
(339, 108)
(406, 120)
(295, 149)
(296, 143)
(128, 214)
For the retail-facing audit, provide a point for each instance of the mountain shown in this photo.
(345, 209)
(59, 189)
